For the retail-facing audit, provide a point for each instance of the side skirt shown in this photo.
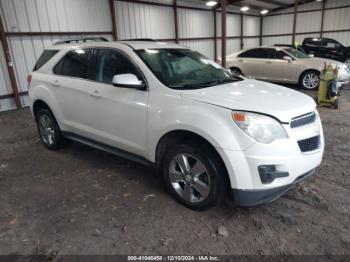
(107, 148)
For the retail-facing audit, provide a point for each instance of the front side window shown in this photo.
(111, 63)
(184, 69)
(75, 63)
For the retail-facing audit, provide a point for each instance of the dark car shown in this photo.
(327, 48)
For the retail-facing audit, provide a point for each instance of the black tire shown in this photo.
(336, 104)
(235, 71)
(215, 173)
(310, 74)
(56, 140)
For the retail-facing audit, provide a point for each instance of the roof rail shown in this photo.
(83, 39)
(140, 39)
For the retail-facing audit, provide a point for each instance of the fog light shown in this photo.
(268, 173)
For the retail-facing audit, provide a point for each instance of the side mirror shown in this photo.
(288, 58)
(127, 81)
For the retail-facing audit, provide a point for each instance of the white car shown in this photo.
(206, 131)
(283, 65)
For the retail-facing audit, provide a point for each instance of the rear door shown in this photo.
(251, 62)
(72, 87)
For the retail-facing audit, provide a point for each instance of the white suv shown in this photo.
(206, 131)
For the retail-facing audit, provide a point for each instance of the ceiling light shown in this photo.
(264, 12)
(211, 3)
(245, 8)
(318, 0)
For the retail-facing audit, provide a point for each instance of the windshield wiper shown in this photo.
(205, 84)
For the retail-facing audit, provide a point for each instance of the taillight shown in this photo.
(29, 80)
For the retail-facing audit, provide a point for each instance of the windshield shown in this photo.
(184, 69)
(296, 53)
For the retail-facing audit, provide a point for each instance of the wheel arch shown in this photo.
(179, 136)
(307, 70)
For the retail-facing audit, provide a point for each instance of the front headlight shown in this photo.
(262, 128)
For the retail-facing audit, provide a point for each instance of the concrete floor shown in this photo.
(83, 201)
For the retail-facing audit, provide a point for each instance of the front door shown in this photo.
(118, 115)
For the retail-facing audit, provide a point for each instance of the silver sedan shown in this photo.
(283, 65)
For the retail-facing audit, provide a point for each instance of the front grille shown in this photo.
(309, 144)
(303, 120)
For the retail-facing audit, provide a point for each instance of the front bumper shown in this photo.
(250, 198)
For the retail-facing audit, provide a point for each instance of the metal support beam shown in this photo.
(113, 20)
(294, 20)
(176, 22)
(261, 30)
(215, 37)
(242, 28)
(9, 64)
(223, 33)
(322, 17)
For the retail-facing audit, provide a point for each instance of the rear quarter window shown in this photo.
(44, 58)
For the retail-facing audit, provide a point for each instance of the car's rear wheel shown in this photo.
(48, 129)
(310, 80)
(194, 176)
(235, 71)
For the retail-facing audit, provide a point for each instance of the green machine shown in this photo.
(328, 89)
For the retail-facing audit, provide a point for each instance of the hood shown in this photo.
(319, 62)
(255, 96)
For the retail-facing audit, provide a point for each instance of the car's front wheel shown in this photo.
(310, 80)
(235, 71)
(194, 176)
(48, 129)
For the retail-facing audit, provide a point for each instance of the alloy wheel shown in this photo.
(46, 129)
(311, 81)
(189, 178)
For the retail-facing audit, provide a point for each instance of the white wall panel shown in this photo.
(342, 37)
(195, 23)
(232, 46)
(268, 41)
(5, 84)
(336, 3)
(233, 25)
(56, 15)
(144, 21)
(205, 47)
(308, 22)
(251, 42)
(337, 19)
(279, 24)
(251, 26)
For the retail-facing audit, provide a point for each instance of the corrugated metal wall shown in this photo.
(45, 16)
(5, 86)
(334, 19)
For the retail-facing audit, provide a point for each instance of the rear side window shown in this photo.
(75, 64)
(45, 56)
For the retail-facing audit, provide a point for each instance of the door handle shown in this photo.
(268, 62)
(95, 93)
(56, 83)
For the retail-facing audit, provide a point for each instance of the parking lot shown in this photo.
(83, 201)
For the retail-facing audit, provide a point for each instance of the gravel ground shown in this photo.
(83, 201)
